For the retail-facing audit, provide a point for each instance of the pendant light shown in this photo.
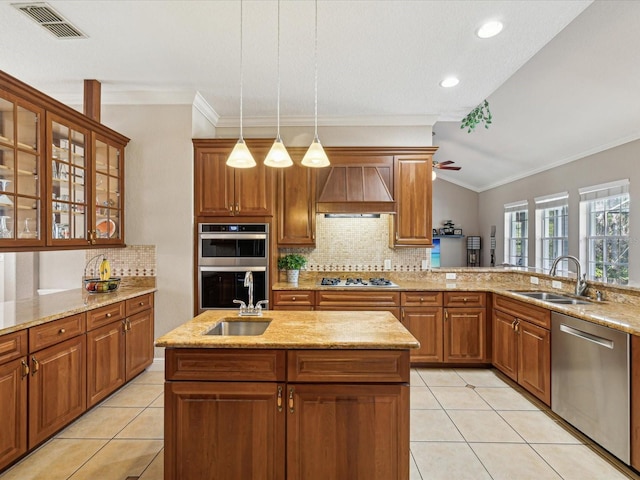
(240, 156)
(315, 156)
(278, 156)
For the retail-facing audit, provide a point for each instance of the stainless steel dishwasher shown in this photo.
(590, 385)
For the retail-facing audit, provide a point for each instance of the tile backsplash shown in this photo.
(132, 261)
(358, 245)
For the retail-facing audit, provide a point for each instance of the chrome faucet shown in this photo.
(250, 309)
(581, 279)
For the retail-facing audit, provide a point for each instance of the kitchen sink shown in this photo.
(552, 298)
(236, 327)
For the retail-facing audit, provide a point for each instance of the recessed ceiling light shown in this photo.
(490, 29)
(449, 82)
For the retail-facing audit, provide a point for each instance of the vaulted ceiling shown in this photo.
(562, 78)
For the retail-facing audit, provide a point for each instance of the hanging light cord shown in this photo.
(241, 70)
(278, 109)
(316, 72)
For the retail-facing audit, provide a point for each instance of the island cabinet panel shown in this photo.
(348, 432)
(57, 388)
(425, 323)
(352, 366)
(225, 364)
(224, 431)
(522, 346)
(13, 404)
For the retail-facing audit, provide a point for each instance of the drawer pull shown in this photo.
(291, 409)
(279, 398)
(36, 365)
(25, 369)
(141, 304)
(108, 315)
(62, 331)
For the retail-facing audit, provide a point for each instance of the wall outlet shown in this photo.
(451, 276)
(451, 285)
(425, 264)
(387, 265)
(534, 280)
(556, 284)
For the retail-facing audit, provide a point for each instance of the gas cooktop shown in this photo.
(356, 282)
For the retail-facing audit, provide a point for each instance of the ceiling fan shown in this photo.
(442, 166)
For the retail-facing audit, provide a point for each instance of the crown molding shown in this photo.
(201, 105)
(346, 121)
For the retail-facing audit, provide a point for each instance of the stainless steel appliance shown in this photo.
(226, 252)
(590, 383)
(356, 282)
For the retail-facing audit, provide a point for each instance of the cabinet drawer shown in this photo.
(13, 345)
(138, 304)
(465, 299)
(225, 364)
(344, 366)
(421, 299)
(294, 297)
(531, 313)
(55, 332)
(358, 298)
(105, 315)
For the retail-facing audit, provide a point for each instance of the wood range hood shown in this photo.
(357, 181)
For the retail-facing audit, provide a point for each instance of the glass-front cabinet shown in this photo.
(68, 182)
(107, 193)
(20, 172)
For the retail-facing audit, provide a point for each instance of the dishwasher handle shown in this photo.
(603, 342)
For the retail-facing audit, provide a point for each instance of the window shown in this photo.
(516, 233)
(552, 231)
(604, 229)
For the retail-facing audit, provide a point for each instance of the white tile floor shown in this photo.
(465, 424)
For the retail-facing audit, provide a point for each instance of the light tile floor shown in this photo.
(465, 424)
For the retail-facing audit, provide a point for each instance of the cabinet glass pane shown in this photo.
(114, 161)
(7, 167)
(27, 175)
(28, 215)
(27, 129)
(78, 148)
(6, 121)
(107, 191)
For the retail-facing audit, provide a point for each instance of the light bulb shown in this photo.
(278, 156)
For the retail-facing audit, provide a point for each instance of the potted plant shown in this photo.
(292, 263)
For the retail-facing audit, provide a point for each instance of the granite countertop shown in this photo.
(297, 330)
(33, 311)
(614, 313)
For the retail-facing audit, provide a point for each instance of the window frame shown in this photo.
(513, 224)
(558, 244)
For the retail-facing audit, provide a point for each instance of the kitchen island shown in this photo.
(318, 395)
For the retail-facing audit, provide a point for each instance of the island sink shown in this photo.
(237, 327)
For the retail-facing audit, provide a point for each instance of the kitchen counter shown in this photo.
(615, 313)
(297, 330)
(33, 311)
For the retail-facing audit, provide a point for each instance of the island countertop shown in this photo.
(297, 330)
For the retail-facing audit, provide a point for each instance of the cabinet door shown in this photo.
(226, 431)
(465, 335)
(107, 224)
(105, 361)
(21, 173)
(254, 188)
(296, 206)
(426, 325)
(347, 432)
(505, 345)
(412, 222)
(139, 342)
(534, 360)
(57, 388)
(68, 183)
(13, 404)
(214, 183)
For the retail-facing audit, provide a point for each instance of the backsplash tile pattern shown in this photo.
(358, 245)
(132, 261)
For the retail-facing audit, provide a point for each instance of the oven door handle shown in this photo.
(233, 236)
(233, 269)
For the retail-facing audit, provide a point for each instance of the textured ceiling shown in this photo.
(549, 75)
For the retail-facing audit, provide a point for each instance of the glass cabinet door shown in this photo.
(68, 185)
(107, 226)
(20, 176)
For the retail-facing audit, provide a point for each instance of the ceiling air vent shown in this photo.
(49, 19)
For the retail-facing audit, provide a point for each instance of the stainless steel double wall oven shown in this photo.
(226, 252)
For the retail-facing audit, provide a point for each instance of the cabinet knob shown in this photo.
(422, 299)
(464, 299)
(108, 315)
(62, 330)
(293, 299)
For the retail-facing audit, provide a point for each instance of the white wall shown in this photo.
(159, 200)
(613, 164)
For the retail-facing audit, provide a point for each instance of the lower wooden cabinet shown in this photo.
(425, 323)
(465, 335)
(139, 343)
(328, 414)
(14, 376)
(57, 388)
(522, 348)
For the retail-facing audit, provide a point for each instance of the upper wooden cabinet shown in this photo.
(412, 223)
(296, 204)
(61, 174)
(223, 191)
